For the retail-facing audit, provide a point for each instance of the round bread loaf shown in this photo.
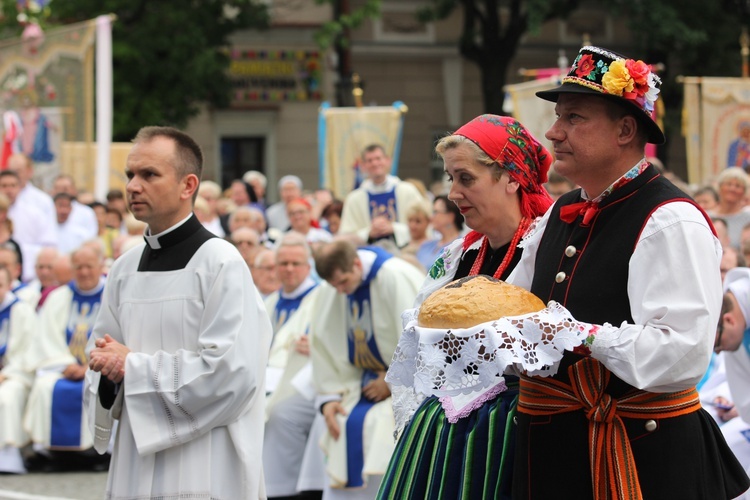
(474, 300)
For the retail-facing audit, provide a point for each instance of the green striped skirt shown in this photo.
(471, 459)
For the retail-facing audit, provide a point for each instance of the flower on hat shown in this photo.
(617, 80)
(632, 80)
(651, 94)
(584, 66)
(639, 71)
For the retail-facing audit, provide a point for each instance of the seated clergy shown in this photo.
(18, 324)
(54, 414)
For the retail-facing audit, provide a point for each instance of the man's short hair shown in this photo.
(63, 196)
(290, 178)
(95, 245)
(115, 194)
(10, 173)
(294, 239)
(189, 157)
(336, 256)
(373, 147)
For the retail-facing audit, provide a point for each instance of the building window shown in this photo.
(240, 154)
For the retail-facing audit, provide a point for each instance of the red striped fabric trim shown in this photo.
(613, 470)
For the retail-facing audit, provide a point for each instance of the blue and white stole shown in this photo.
(363, 353)
(289, 303)
(67, 396)
(8, 303)
(383, 204)
(17, 285)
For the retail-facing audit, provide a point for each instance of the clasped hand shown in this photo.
(108, 358)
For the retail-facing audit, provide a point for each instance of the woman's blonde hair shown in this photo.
(453, 141)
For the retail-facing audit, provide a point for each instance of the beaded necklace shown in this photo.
(522, 227)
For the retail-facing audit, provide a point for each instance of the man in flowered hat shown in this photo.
(635, 261)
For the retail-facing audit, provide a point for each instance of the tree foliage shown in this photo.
(334, 32)
(690, 38)
(167, 54)
(492, 31)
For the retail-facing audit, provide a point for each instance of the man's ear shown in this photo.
(191, 186)
(628, 129)
(729, 319)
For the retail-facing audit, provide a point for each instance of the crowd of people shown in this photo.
(167, 331)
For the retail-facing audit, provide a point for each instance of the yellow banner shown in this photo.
(536, 114)
(346, 132)
(716, 124)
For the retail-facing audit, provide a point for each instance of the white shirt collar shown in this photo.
(153, 239)
(305, 286)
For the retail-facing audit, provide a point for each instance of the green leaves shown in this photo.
(332, 33)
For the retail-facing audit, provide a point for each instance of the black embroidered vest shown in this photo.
(585, 268)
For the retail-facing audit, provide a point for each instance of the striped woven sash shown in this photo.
(613, 470)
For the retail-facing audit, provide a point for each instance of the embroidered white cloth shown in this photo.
(465, 367)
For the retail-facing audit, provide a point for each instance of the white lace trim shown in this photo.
(439, 362)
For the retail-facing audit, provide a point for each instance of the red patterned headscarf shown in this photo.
(517, 152)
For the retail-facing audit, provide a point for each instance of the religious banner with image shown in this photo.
(343, 132)
(47, 101)
(537, 115)
(716, 125)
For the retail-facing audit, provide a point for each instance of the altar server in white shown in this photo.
(181, 344)
(354, 334)
(18, 324)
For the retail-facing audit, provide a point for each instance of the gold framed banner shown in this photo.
(716, 125)
(343, 132)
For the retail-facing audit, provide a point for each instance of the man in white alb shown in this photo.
(180, 345)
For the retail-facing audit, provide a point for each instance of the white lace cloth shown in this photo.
(465, 366)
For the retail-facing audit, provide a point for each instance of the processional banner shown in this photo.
(716, 125)
(47, 94)
(343, 132)
(536, 114)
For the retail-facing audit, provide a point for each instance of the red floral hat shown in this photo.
(604, 73)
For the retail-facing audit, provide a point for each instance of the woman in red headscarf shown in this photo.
(496, 169)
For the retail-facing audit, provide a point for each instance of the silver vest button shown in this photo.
(560, 277)
(515, 419)
(570, 251)
(650, 425)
